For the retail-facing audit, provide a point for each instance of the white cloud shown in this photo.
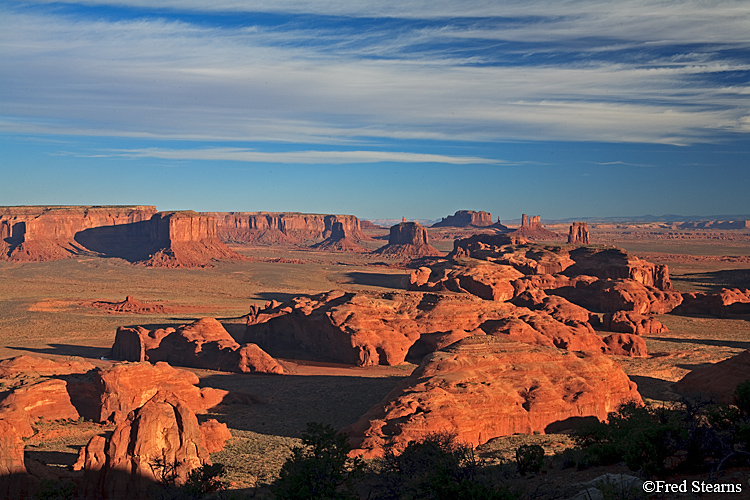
(173, 80)
(301, 157)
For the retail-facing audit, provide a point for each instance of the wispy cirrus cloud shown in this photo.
(519, 71)
(311, 157)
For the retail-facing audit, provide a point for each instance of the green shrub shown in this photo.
(529, 458)
(320, 469)
(437, 468)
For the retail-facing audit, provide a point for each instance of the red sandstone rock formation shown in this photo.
(138, 234)
(407, 240)
(578, 234)
(484, 387)
(186, 239)
(632, 322)
(162, 437)
(625, 344)
(486, 280)
(214, 435)
(202, 344)
(369, 328)
(31, 366)
(720, 304)
(466, 218)
(127, 386)
(339, 241)
(271, 228)
(621, 295)
(48, 233)
(131, 306)
(48, 399)
(718, 381)
(14, 480)
(532, 229)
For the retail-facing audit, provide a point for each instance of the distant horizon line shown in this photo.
(623, 218)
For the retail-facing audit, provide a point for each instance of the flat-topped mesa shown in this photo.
(578, 234)
(466, 218)
(137, 234)
(339, 241)
(283, 227)
(531, 228)
(30, 233)
(408, 239)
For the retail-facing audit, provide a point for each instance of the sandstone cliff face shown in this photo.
(578, 234)
(283, 227)
(48, 233)
(407, 240)
(466, 218)
(485, 387)
(339, 241)
(137, 234)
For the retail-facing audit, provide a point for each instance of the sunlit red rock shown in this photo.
(14, 479)
(578, 234)
(162, 437)
(407, 240)
(48, 399)
(127, 386)
(484, 387)
(626, 344)
(214, 435)
(484, 279)
(32, 366)
(202, 344)
(720, 304)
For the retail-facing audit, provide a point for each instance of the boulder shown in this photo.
(407, 240)
(718, 381)
(626, 344)
(203, 344)
(484, 387)
(632, 322)
(214, 435)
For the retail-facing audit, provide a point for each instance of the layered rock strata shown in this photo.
(137, 234)
(484, 387)
(466, 218)
(284, 227)
(339, 241)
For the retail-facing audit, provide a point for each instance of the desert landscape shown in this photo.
(423, 250)
(252, 325)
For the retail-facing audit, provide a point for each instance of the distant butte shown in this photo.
(408, 240)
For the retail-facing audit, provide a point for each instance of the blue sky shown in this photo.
(380, 109)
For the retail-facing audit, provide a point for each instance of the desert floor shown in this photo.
(44, 311)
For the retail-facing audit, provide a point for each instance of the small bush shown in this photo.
(319, 469)
(529, 458)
